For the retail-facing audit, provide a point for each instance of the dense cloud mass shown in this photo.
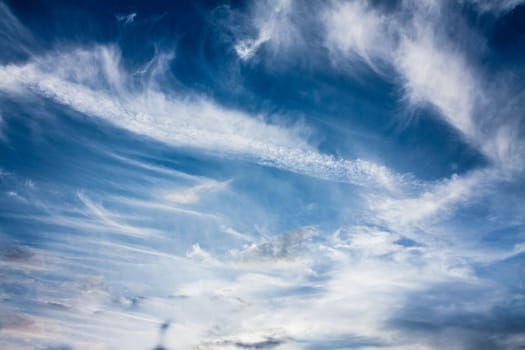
(262, 175)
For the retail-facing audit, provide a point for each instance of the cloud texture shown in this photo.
(247, 183)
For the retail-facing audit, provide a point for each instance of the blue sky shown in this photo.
(262, 175)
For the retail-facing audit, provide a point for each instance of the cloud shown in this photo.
(199, 254)
(14, 253)
(407, 40)
(434, 202)
(367, 284)
(288, 291)
(112, 220)
(92, 82)
(355, 29)
(408, 45)
(269, 343)
(440, 77)
(495, 6)
(193, 194)
(289, 246)
(472, 325)
(3, 136)
(126, 19)
(16, 41)
(356, 277)
(20, 258)
(272, 25)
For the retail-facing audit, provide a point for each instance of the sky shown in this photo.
(270, 174)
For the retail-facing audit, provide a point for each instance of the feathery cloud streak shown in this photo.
(92, 82)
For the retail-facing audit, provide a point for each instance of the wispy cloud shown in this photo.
(126, 19)
(495, 6)
(407, 44)
(272, 25)
(355, 29)
(137, 246)
(434, 70)
(193, 194)
(112, 220)
(92, 82)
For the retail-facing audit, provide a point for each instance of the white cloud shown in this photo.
(126, 19)
(238, 235)
(431, 73)
(432, 203)
(368, 276)
(272, 24)
(92, 82)
(199, 254)
(112, 220)
(354, 28)
(440, 77)
(410, 39)
(193, 194)
(15, 39)
(305, 285)
(291, 289)
(433, 69)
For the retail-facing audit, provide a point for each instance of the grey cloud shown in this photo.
(456, 317)
(269, 343)
(19, 322)
(344, 342)
(286, 246)
(60, 347)
(14, 253)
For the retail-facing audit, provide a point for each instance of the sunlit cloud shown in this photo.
(186, 122)
(146, 207)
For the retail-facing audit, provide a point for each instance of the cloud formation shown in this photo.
(92, 82)
(408, 43)
(139, 213)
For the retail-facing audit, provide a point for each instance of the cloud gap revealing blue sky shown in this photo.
(262, 174)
